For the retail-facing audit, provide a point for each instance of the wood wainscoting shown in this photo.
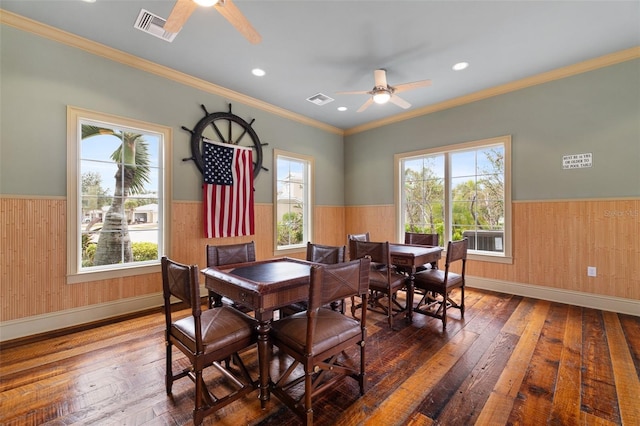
(34, 256)
(553, 243)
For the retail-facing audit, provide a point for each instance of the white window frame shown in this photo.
(505, 141)
(308, 201)
(75, 274)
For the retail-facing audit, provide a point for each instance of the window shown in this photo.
(460, 191)
(293, 183)
(117, 187)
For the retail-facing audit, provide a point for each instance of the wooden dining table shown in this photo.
(263, 287)
(410, 256)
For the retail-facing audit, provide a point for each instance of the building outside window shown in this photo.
(459, 191)
(293, 183)
(117, 185)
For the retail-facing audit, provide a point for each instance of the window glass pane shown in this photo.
(120, 215)
(292, 189)
(423, 194)
(463, 164)
(471, 204)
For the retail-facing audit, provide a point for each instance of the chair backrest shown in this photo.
(421, 239)
(358, 237)
(325, 254)
(181, 281)
(338, 281)
(377, 251)
(231, 253)
(457, 250)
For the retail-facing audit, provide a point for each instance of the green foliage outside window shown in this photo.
(290, 229)
(141, 251)
(476, 196)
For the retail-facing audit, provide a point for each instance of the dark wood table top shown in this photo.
(263, 277)
(413, 255)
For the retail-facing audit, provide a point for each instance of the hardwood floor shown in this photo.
(512, 360)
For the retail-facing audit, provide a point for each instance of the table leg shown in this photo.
(264, 355)
(410, 291)
(215, 300)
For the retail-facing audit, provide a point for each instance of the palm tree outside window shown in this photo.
(118, 215)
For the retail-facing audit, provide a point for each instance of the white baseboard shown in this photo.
(587, 300)
(37, 324)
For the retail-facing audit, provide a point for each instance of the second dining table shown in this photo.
(411, 256)
(263, 287)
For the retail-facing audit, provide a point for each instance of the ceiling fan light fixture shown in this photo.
(206, 3)
(381, 97)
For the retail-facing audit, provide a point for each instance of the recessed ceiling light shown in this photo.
(460, 66)
(89, 1)
(258, 72)
(342, 108)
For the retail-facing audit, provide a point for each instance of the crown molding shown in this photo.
(568, 71)
(98, 49)
(55, 34)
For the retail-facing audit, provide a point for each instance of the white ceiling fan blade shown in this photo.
(365, 105)
(229, 10)
(399, 101)
(179, 15)
(409, 86)
(355, 92)
(380, 77)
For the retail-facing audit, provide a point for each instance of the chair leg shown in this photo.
(169, 370)
(444, 310)
(308, 390)
(462, 301)
(198, 414)
(362, 377)
(390, 310)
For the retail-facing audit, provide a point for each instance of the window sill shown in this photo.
(489, 258)
(83, 277)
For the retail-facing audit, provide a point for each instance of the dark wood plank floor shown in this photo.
(512, 360)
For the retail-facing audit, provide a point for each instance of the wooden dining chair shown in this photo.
(324, 254)
(206, 338)
(359, 237)
(436, 285)
(318, 339)
(228, 255)
(416, 238)
(384, 283)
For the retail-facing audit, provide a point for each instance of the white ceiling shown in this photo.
(311, 47)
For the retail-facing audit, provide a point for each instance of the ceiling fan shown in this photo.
(183, 9)
(383, 93)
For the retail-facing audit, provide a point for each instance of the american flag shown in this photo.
(227, 190)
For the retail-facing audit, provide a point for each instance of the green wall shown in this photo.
(39, 78)
(596, 112)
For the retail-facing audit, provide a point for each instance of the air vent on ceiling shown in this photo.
(320, 99)
(154, 25)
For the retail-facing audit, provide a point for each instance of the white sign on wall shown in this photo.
(577, 161)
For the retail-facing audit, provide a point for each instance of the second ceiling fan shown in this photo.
(383, 93)
(183, 9)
